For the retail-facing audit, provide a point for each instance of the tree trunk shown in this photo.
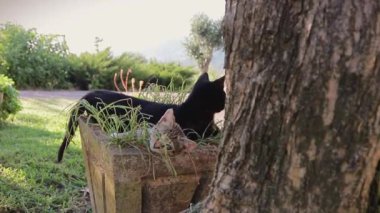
(206, 63)
(302, 126)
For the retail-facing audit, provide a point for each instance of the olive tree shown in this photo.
(205, 37)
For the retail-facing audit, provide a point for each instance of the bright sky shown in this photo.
(125, 25)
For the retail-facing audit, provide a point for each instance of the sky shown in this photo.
(124, 25)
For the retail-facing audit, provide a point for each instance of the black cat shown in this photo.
(195, 115)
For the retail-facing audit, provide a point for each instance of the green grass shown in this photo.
(30, 180)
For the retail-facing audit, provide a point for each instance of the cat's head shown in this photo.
(208, 95)
(168, 137)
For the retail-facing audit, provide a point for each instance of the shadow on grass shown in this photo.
(24, 142)
(23, 130)
(30, 178)
(51, 104)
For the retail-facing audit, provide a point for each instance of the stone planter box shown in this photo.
(130, 180)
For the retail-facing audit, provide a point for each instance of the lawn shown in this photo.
(30, 179)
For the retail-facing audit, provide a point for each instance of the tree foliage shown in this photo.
(96, 70)
(35, 60)
(205, 37)
(10, 103)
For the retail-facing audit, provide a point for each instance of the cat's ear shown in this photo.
(202, 79)
(219, 82)
(168, 118)
(189, 145)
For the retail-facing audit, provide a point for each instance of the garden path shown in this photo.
(67, 94)
(74, 95)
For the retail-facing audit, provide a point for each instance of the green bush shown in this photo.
(103, 66)
(92, 70)
(166, 73)
(41, 61)
(10, 104)
(31, 59)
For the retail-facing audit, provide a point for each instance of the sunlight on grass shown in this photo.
(30, 180)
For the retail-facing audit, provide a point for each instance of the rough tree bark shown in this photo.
(302, 123)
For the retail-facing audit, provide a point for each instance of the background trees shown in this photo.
(302, 129)
(35, 60)
(204, 39)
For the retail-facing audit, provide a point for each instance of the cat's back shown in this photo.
(107, 96)
(156, 110)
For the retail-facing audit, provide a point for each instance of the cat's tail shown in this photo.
(70, 131)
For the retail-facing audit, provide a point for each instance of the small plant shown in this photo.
(132, 124)
(132, 128)
(129, 126)
(164, 94)
(10, 102)
(124, 83)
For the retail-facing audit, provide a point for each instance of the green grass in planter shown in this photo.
(133, 127)
(131, 124)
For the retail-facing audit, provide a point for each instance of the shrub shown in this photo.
(11, 104)
(36, 60)
(31, 59)
(167, 73)
(148, 71)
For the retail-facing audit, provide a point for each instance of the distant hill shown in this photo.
(174, 51)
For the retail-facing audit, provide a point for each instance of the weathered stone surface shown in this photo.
(132, 180)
